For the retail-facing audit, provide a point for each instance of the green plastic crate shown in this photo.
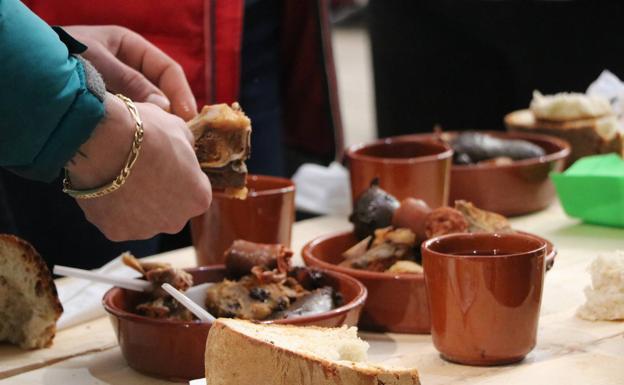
(592, 189)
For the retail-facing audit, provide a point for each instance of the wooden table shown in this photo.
(569, 350)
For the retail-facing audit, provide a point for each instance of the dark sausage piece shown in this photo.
(242, 256)
(372, 210)
(477, 147)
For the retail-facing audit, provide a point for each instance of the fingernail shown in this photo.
(159, 100)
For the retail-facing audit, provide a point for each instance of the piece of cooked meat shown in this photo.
(159, 304)
(159, 273)
(29, 305)
(222, 144)
(251, 298)
(482, 221)
(243, 255)
(389, 246)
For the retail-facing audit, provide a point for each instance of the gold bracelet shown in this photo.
(125, 172)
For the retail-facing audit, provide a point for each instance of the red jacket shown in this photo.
(205, 37)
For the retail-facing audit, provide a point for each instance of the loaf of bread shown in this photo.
(222, 144)
(29, 305)
(243, 353)
(586, 122)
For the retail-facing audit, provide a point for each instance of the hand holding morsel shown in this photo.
(166, 186)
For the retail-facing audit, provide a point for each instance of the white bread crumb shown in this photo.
(605, 297)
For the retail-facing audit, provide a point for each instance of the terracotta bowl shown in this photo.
(396, 302)
(174, 350)
(515, 189)
(416, 168)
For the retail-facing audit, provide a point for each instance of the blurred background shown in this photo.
(405, 66)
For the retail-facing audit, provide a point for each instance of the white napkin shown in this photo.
(82, 299)
(611, 87)
(201, 381)
(323, 190)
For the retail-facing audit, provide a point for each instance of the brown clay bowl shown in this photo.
(515, 189)
(396, 302)
(174, 350)
(406, 168)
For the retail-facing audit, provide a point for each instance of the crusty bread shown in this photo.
(222, 144)
(243, 353)
(29, 305)
(605, 297)
(588, 136)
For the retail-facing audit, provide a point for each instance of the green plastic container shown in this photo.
(592, 189)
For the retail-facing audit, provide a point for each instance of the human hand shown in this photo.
(166, 186)
(132, 66)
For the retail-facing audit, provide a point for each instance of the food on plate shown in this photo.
(605, 297)
(405, 267)
(243, 255)
(241, 353)
(160, 304)
(587, 122)
(222, 144)
(373, 209)
(474, 147)
(411, 214)
(396, 248)
(464, 217)
(444, 220)
(388, 246)
(482, 221)
(262, 285)
(29, 304)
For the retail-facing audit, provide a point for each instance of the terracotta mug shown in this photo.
(406, 168)
(484, 292)
(266, 216)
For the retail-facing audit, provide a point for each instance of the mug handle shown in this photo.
(550, 259)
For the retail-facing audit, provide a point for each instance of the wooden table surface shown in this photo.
(569, 350)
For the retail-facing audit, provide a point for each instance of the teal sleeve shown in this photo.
(46, 109)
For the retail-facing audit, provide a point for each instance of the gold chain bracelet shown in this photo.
(125, 172)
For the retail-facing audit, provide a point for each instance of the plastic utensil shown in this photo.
(126, 283)
(188, 303)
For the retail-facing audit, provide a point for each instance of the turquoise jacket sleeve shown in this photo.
(46, 109)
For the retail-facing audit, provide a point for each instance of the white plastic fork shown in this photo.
(126, 283)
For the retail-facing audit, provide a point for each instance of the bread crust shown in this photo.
(233, 358)
(44, 289)
(582, 134)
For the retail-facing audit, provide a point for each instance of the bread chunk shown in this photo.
(241, 353)
(29, 305)
(588, 123)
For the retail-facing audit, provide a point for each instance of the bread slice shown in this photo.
(242, 352)
(222, 144)
(587, 136)
(29, 305)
